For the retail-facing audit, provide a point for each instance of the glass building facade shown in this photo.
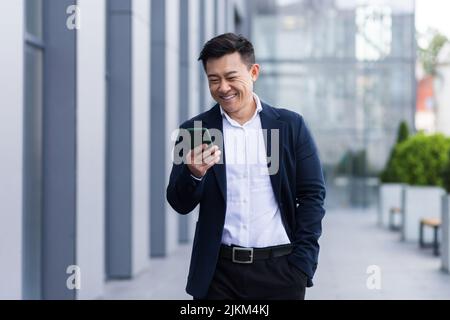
(349, 69)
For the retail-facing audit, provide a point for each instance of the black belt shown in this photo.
(248, 255)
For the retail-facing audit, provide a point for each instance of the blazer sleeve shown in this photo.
(184, 192)
(310, 196)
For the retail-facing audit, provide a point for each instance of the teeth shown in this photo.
(229, 97)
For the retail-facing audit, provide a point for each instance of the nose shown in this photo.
(224, 87)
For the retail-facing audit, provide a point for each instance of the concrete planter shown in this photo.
(420, 202)
(445, 232)
(390, 196)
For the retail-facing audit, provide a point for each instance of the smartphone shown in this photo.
(199, 136)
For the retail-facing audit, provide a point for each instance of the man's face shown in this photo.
(231, 82)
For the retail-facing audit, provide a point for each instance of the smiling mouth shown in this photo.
(228, 97)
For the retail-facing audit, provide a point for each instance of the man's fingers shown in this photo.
(199, 158)
(195, 155)
(203, 156)
(210, 151)
(189, 157)
(213, 159)
(199, 149)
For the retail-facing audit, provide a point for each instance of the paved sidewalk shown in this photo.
(165, 279)
(351, 243)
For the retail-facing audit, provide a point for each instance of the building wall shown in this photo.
(140, 134)
(425, 118)
(220, 16)
(172, 105)
(77, 135)
(91, 141)
(207, 32)
(194, 78)
(164, 119)
(11, 146)
(120, 140)
(59, 156)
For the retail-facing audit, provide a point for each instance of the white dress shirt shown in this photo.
(253, 218)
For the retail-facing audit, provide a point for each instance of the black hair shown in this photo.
(228, 43)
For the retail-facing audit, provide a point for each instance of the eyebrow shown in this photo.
(226, 74)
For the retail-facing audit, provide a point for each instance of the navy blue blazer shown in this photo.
(298, 186)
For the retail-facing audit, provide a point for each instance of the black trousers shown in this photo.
(270, 279)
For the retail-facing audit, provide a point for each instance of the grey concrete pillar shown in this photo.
(184, 84)
(119, 153)
(164, 120)
(59, 157)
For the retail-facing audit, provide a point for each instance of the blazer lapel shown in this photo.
(214, 121)
(269, 121)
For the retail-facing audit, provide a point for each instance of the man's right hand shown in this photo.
(201, 158)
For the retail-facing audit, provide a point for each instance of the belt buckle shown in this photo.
(233, 256)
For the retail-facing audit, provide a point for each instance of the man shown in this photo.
(259, 223)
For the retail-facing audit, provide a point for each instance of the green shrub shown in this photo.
(403, 132)
(387, 175)
(421, 160)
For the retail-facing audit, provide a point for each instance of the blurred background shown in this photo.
(91, 91)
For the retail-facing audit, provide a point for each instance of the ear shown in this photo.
(254, 72)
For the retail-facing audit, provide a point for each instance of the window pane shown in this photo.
(348, 68)
(34, 17)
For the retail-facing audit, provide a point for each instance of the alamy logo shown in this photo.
(74, 280)
(374, 279)
(254, 153)
(74, 18)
